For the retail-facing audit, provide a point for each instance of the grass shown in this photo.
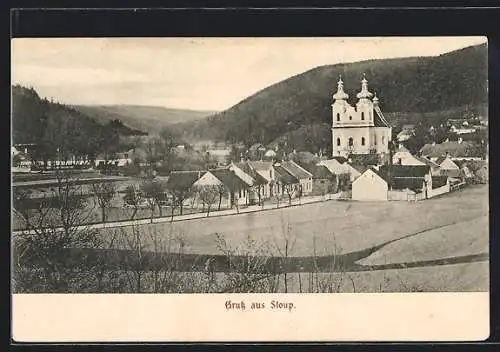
(356, 225)
(461, 239)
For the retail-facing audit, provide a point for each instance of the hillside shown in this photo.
(145, 118)
(57, 129)
(408, 86)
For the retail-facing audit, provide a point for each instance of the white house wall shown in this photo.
(369, 186)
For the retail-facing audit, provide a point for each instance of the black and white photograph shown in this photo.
(250, 165)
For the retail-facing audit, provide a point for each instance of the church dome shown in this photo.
(340, 95)
(364, 94)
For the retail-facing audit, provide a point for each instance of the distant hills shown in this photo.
(299, 108)
(52, 124)
(150, 119)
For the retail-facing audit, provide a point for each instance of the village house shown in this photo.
(117, 159)
(287, 184)
(344, 172)
(398, 182)
(183, 181)
(260, 185)
(301, 174)
(266, 170)
(324, 181)
(458, 150)
(407, 131)
(234, 190)
(448, 167)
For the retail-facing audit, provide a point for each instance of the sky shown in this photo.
(192, 73)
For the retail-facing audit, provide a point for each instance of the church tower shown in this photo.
(359, 129)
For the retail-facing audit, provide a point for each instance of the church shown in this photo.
(360, 129)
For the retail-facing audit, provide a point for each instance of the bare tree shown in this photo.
(104, 193)
(155, 193)
(208, 196)
(133, 198)
(290, 191)
(221, 191)
(179, 194)
(49, 254)
(288, 240)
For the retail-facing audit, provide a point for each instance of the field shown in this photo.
(351, 226)
(439, 244)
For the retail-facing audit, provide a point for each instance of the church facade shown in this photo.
(359, 129)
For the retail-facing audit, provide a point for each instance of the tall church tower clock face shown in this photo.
(358, 129)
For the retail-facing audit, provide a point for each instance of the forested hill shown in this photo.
(151, 119)
(413, 85)
(43, 122)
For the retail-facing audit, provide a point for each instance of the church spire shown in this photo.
(340, 95)
(364, 94)
(375, 99)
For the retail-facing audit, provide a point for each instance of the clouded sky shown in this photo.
(192, 73)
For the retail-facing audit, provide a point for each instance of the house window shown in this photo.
(362, 140)
(351, 142)
(270, 174)
(350, 117)
(338, 141)
(362, 115)
(338, 116)
(383, 140)
(239, 193)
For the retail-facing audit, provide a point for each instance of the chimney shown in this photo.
(199, 174)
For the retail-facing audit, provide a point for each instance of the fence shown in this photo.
(405, 195)
(440, 190)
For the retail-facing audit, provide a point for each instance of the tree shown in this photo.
(179, 194)
(290, 191)
(155, 193)
(208, 196)
(45, 255)
(168, 149)
(132, 197)
(221, 191)
(104, 193)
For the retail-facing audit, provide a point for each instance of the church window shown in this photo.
(338, 141)
(362, 140)
(362, 115)
(338, 116)
(351, 142)
(383, 140)
(350, 117)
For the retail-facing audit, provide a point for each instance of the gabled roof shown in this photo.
(340, 159)
(406, 170)
(322, 172)
(229, 179)
(364, 159)
(284, 176)
(413, 183)
(183, 179)
(260, 165)
(439, 181)
(440, 160)
(426, 161)
(454, 149)
(335, 166)
(246, 168)
(296, 170)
